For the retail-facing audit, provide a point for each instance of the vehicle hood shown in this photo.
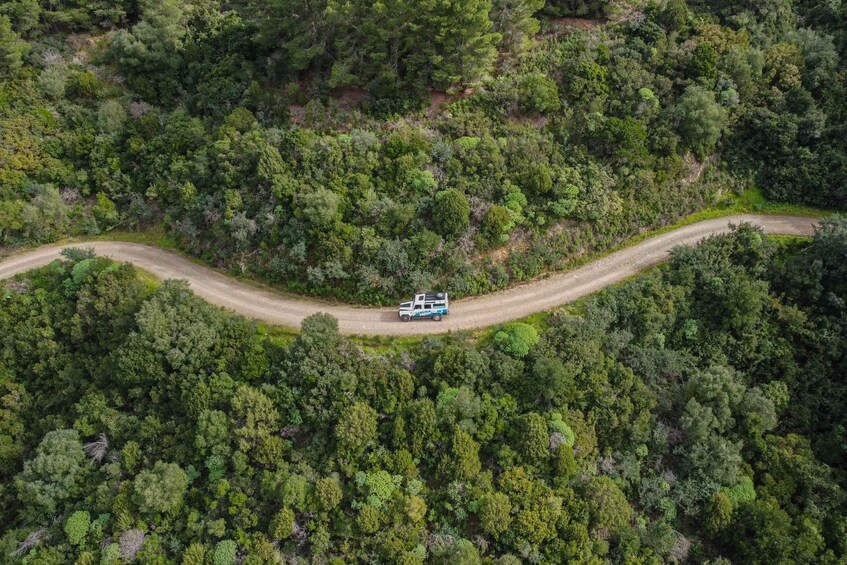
(405, 305)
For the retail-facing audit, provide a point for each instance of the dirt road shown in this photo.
(516, 302)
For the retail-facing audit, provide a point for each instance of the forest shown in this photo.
(364, 150)
(695, 414)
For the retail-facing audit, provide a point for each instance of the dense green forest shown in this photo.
(368, 149)
(696, 413)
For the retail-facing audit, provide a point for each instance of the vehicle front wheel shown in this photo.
(405, 317)
(437, 317)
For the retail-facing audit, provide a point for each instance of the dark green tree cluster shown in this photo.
(695, 413)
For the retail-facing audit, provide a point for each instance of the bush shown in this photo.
(496, 224)
(76, 527)
(516, 339)
(225, 553)
(559, 426)
(744, 491)
(451, 215)
(83, 85)
(282, 525)
(539, 94)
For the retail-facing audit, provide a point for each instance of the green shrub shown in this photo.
(744, 491)
(451, 214)
(516, 339)
(496, 224)
(76, 526)
(557, 425)
(82, 85)
(225, 553)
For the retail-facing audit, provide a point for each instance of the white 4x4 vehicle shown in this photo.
(433, 305)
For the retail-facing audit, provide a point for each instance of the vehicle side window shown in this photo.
(418, 307)
(428, 307)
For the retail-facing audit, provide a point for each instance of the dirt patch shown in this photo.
(518, 241)
(695, 168)
(534, 121)
(562, 26)
(438, 100)
(348, 98)
(578, 23)
(82, 44)
(297, 114)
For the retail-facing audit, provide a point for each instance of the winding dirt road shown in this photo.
(513, 303)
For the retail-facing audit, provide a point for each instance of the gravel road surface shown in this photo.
(471, 313)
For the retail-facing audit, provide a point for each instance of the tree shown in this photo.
(328, 493)
(718, 513)
(464, 44)
(607, 503)
(451, 212)
(161, 489)
(54, 474)
(819, 55)
(534, 438)
(76, 526)
(150, 54)
(539, 94)
(320, 209)
(195, 554)
(701, 120)
(578, 8)
(675, 15)
(12, 48)
(212, 433)
(517, 339)
(356, 427)
(513, 21)
(368, 519)
(551, 383)
(295, 28)
(225, 553)
(282, 525)
(319, 332)
(496, 224)
(704, 61)
(254, 423)
(564, 462)
(465, 456)
(495, 513)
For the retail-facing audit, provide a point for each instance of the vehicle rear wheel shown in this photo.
(436, 317)
(405, 317)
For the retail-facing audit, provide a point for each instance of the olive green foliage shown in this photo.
(517, 339)
(356, 427)
(718, 513)
(451, 213)
(76, 526)
(225, 553)
(495, 513)
(366, 151)
(282, 525)
(703, 120)
(161, 489)
(12, 48)
(231, 443)
(53, 474)
(693, 413)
